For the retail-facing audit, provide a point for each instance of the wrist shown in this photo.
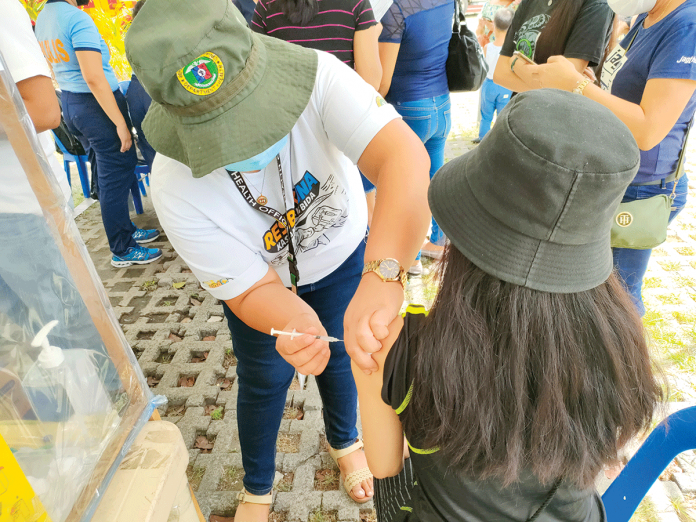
(580, 85)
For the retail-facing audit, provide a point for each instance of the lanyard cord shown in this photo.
(241, 185)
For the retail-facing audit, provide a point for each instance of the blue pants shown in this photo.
(632, 264)
(431, 120)
(138, 104)
(116, 170)
(264, 377)
(494, 98)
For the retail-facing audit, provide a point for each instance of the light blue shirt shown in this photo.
(63, 29)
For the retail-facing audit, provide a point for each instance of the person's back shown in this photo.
(423, 28)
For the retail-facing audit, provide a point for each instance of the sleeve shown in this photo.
(517, 21)
(18, 44)
(676, 58)
(340, 87)
(258, 22)
(591, 32)
(83, 33)
(364, 16)
(393, 23)
(223, 264)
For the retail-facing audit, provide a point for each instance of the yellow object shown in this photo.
(17, 500)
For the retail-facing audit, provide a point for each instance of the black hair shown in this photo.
(137, 7)
(509, 379)
(299, 12)
(554, 37)
(503, 19)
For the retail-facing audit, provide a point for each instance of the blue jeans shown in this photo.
(493, 98)
(264, 377)
(431, 120)
(115, 169)
(631, 264)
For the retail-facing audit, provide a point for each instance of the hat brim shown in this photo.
(260, 119)
(508, 254)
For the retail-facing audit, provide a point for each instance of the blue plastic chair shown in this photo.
(142, 172)
(80, 161)
(674, 435)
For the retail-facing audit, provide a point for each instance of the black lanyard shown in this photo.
(280, 218)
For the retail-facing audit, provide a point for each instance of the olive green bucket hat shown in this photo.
(220, 93)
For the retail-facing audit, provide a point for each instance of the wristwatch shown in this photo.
(387, 269)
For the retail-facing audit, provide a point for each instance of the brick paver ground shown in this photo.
(181, 339)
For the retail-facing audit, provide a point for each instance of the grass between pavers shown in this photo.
(194, 475)
(231, 479)
(284, 485)
(646, 512)
(288, 442)
(683, 512)
(326, 480)
(323, 516)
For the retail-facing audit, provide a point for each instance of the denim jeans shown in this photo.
(631, 264)
(431, 120)
(138, 104)
(494, 98)
(116, 170)
(264, 377)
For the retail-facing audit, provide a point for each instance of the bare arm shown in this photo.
(388, 53)
(41, 102)
(663, 100)
(382, 430)
(268, 304)
(366, 54)
(93, 73)
(397, 163)
(521, 80)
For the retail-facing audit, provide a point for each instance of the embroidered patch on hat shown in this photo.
(202, 76)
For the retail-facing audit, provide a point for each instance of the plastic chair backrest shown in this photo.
(123, 86)
(62, 148)
(674, 435)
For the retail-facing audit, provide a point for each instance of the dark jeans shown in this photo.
(431, 120)
(138, 104)
(264, 377)
(116, 170)
(632, 264)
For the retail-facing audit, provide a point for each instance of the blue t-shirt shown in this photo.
(664, 50)
(63, 29)
(423, 28)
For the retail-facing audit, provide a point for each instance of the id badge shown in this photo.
(613, 64)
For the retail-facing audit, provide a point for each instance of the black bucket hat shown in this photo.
(533, 204)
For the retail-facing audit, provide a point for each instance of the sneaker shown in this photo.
(476, 141)
(416, 269)
(145, 236)
(136, 256)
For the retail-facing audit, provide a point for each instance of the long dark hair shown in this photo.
(554, 37)
(299, 12)
(510, 379)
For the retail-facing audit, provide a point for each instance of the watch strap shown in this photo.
(373, 266)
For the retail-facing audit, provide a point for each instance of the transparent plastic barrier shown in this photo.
(72, 396)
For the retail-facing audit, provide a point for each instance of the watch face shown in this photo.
(389, 269)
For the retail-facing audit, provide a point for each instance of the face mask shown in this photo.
(260, 161)
(628, 8)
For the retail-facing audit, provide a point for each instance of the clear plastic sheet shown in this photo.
(72, 396)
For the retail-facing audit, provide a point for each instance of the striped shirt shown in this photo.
(332, 29)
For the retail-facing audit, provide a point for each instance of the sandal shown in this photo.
(356, 477)
(245, 497)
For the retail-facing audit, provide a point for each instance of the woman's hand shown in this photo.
(307, 355)
(557, 73)
(125, 136)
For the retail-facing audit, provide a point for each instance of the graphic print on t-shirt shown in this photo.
(526, 37)
(315, 215)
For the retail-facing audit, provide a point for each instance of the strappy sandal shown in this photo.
(356, 477)
(245, 497)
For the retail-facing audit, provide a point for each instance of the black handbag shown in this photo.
(466, 66)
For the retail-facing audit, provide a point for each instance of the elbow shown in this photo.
(48, 121)
(648, 141)
(382, 472)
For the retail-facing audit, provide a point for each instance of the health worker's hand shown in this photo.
(307, 355)
(366, 323)
(124, 135)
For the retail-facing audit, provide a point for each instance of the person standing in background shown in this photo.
(413, 49)
(97, 114)
(484, 31)
(345, 28)
(577, 29)
(494, 98)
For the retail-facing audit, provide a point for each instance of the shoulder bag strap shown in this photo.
(457, 23)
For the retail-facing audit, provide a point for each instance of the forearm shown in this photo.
(105, 97)
(269, 305)
(505, 77)
(371, 73)
(381, 427)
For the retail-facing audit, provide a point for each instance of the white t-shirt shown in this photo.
(492, 57)
(24, 59)
(229, 245)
